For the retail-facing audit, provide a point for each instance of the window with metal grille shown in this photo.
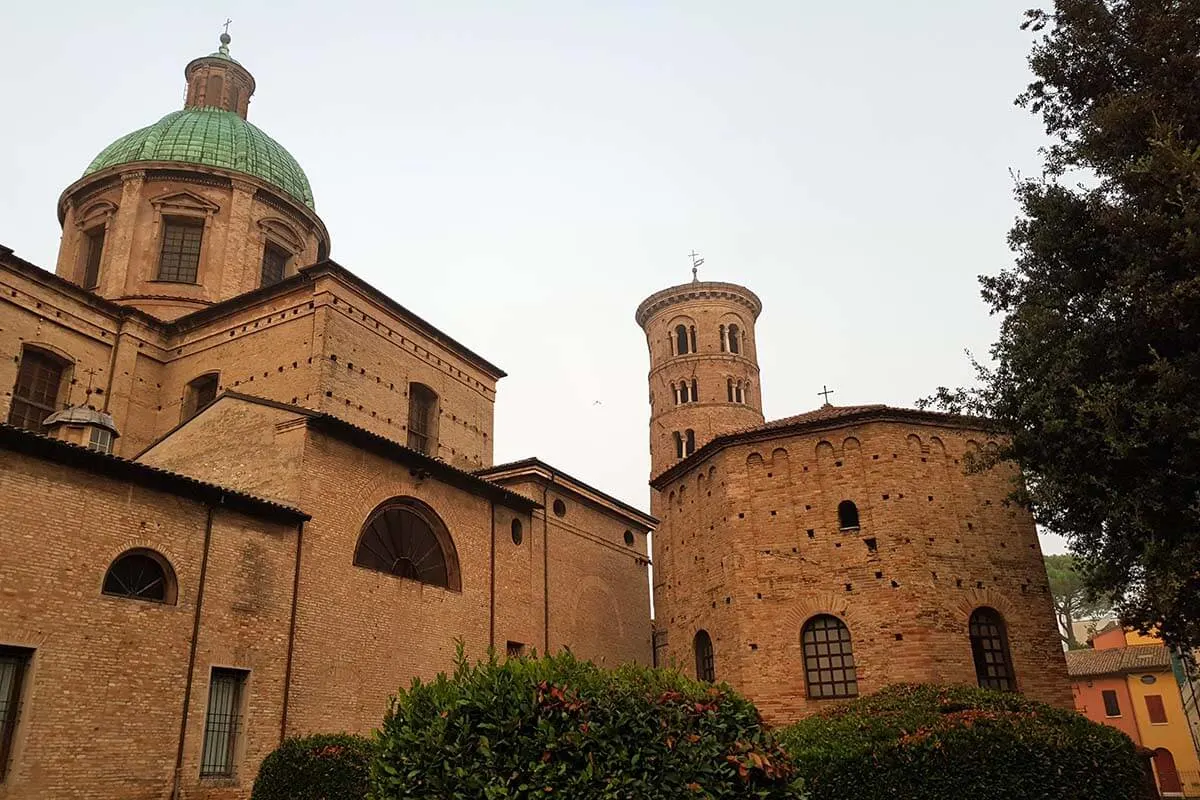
(91, 264)
(706, 669)
(989, 648)
(828, 658)
(223, 724)
(199, 393)
(847, 515)
(274, 262)
(35, 395)
(1158, 712)
(422, 418)
(514, 649)
(179, 260)
(14, 662)
(141, 574)
(100, 440)
(403, 537)
(1112, 708)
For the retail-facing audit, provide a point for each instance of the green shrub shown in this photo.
(328, 766)
(935, 743)
(561, 727)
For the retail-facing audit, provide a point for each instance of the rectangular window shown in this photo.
(223, 722)
(180, 258)
(422, 417)
(1158, 712)
(14, 662)
(1111, 707)
(274, 262)
(35, 395)
(514, 649)
(100, 440)
(95, 249)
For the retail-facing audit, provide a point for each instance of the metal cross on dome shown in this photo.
(697, 261)
(228, 22)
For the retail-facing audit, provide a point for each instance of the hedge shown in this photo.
(323, 767)
(561, 727)
(934, 743)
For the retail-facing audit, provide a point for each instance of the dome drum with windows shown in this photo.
(221, 206)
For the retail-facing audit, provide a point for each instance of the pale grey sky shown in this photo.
(522, 174)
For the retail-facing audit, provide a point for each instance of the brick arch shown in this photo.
(914, 443)
(937, 447)
(143, 544)
(824, 449)
(851, 443)
(754, 460)
(974, 598)
(833, 603)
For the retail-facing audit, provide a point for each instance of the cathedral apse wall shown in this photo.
(752, 547)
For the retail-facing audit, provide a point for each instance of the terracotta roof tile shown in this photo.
(1118, 660)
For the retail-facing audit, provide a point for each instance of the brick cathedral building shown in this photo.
(246, 495)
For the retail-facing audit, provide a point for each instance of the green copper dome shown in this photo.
(214, 138)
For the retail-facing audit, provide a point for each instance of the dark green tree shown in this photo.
(1072, 602)
(1096, 376)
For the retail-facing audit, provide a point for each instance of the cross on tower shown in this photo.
(696, 262)
(825, 392)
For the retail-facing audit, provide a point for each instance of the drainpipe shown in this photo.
(291, 642)
(492, 591)
(191, 666)
(546, 570)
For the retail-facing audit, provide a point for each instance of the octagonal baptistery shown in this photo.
(827, 555)
(199, 207)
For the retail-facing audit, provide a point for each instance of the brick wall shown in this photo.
(734, 556)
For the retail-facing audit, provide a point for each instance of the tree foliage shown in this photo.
(561, 727)
(1072, 600)
(934, 743)
(1097, 368)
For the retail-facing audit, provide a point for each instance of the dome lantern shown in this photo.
(217, 81)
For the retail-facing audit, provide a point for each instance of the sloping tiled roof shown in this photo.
(1118, 660)
(389, 448)
(33, 444)
(828, 416)
(498, 472)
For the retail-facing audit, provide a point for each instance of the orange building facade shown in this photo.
(1128, 681)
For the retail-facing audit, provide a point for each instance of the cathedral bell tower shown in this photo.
(703, 366)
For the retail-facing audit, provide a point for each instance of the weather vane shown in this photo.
(696, 262)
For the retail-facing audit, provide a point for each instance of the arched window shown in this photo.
(678, 444)
(684, 395)
(691, 442)
(724, 340)
(729, 388)
(738, 395)
(212, 94)
(405, 538)
(828, 658)
(1168, 775)
(847, 515)
(681, 340)
(695, 391)
(141, 574)
(199, 393)
(705, 667)
(35, 394)
(422, 418)
(517, 531)
(989, 648)
(693, 332)
(675, 393)
(734, 344)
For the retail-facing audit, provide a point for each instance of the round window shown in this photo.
(560, 508)
(1149, 679)
(629, 538)
(517, 532)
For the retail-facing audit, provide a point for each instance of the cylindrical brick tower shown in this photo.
(703, 366)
